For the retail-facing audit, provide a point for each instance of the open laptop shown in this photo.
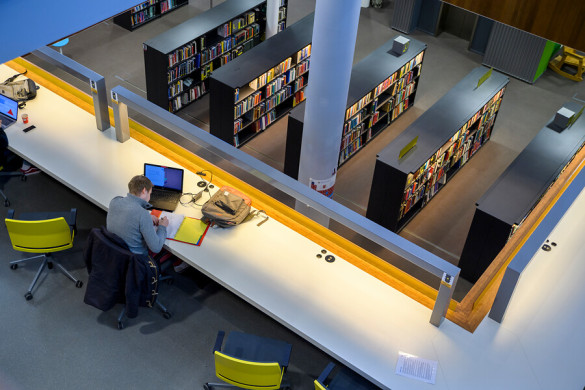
(168, 186)
(8, 111)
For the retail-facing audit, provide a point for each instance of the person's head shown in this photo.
(140, 186)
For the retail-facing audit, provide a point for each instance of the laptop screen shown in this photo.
(164, 177)
(8, 107)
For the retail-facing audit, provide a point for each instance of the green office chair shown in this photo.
(42, 233)
(250, 362)
(343, 379)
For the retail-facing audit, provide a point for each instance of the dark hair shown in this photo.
(137, 183)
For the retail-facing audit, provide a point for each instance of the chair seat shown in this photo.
(256, 348)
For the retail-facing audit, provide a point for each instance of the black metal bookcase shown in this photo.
(424, 157)
(178, 62)
(258, 88)
(382, 87)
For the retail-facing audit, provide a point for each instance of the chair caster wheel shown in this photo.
(28, 296)
(23, 178)
(50, 265)
(170, 282)
(13, 266)
(120, 325)
(7, 203)
(79, 284)
(205, 387)
(167, 315)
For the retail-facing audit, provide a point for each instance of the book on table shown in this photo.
(183, 229)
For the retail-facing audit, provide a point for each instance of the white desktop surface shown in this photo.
(341, 309)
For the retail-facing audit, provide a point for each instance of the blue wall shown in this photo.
(26, 25)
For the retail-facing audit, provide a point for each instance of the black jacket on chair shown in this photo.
(116, 275)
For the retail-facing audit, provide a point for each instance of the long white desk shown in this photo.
(336, 306)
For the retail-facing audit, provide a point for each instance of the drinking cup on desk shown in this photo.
(24, 118)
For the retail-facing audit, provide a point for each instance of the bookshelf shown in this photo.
(258, 88)
(145, 12)
(179, 62)
(507, 203)
(382, 87)
(414, 167)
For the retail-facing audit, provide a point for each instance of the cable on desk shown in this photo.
(194, 197)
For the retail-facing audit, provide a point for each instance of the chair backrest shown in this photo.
(247, 374)
(44, 236)
(319, 385)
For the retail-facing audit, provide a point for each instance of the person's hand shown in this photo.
(155, 220)
(164, 221)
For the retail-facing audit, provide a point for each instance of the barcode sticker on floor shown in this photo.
(416, 368)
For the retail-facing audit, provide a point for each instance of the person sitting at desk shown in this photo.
(129, 218)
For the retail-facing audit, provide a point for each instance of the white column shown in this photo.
(271, 17)
(334, 36)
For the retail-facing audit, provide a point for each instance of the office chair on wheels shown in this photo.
(250, 362)
(116, 275)
(342, 379)
(43, 233)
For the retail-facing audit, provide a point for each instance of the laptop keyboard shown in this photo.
(163, 196)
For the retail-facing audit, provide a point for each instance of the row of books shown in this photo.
(167, 5)
(144, 5)
(282, 3)
(278, 98)
(186, 51)
(263, 122)
(350, 149)
(304, 53)
(415, 62)
(206, 70)
(142, 16)
(303, 67)
(187, 97)
(236, 24)
(358, 106)
(280, 82)
(272, 73)
(182, 53)
(218, 49)
(253, 115)
(301, 82)
(189, 52)
(281, 26)
(454, 153)
(281, 13)
(184, 68)
(356, 120)
(299, 97)
(247, 104)
(351, 136)
(399, 109)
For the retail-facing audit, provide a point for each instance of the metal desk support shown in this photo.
(213, 149)
(97, 83)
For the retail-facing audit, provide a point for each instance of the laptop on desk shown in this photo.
(167, 186)
(8, 111)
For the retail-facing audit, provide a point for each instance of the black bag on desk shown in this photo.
(227, 207)
(21, 91)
